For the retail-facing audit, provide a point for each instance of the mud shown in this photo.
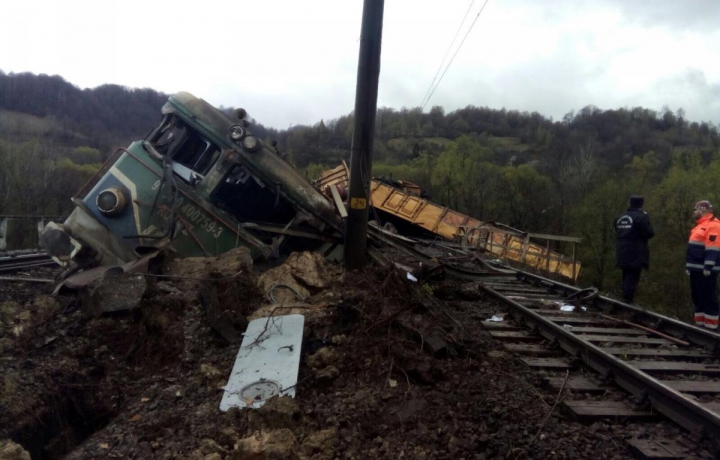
(390, 370)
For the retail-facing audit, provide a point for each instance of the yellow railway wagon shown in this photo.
(497, 239)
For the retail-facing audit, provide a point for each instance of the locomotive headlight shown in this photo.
(111, 202)
(236, 133)
(251, 143)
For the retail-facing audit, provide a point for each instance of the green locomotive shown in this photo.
(200, 184)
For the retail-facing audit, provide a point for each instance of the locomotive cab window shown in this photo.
(190, 151)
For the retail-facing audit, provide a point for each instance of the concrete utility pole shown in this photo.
(361, 153)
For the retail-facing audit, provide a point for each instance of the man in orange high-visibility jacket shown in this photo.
(703, 265)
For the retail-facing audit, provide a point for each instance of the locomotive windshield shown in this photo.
(185, 146)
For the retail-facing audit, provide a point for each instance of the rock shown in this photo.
(231, 262)
(323, 357)
(210, 372)
(327, 374)
(196, 455)
(209, 446)
(8, 311)
(302, 270)
(320, 442)
(173, 392)
(223, 266)
(277, 412)
(114, 292)
(11, 451)
(226, 265)
(228, 436)
(281, 277)
(45, 306)
(313, 270)
(271, 445)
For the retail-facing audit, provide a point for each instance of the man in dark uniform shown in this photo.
(633, 230)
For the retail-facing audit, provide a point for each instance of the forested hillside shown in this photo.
(571, 176)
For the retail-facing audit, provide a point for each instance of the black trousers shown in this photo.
(703, 290)
(630, 280)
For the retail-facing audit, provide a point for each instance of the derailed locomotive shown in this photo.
(200, 184)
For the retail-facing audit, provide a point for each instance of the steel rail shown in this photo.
(23, 258)
(25, 261)
(673, 404)
(672, 326)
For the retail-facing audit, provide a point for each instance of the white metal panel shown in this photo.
(267, 363)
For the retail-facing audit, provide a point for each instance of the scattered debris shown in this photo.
(142, 374)
(565, 306)
(371, 382)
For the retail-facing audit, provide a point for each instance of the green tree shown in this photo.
(592, 220)
(464, 178)
(524, 197)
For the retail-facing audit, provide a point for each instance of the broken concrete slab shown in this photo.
(114, 292)
(267, 363)
(313, 270)
(301, 273)
(193, 270)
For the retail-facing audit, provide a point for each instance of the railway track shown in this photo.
(9, 264)
(666, 366)
(670, 367)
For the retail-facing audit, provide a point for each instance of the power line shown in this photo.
(456, 52)
(446, 53)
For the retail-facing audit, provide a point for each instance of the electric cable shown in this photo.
(456, 52)
(447, 53)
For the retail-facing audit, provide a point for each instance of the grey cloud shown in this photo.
(692, 92)
(692, 15)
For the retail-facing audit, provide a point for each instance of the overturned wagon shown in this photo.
(200, 184)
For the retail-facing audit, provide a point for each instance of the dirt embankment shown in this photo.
(389, 370)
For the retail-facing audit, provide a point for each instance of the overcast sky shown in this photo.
(294, 61)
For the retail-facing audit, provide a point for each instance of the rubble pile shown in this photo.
(389, 369)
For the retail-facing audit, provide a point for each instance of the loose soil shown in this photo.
(390, 369)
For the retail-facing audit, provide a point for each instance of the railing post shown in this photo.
(547, 261)
(526, 243)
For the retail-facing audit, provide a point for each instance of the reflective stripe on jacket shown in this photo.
(703, 248)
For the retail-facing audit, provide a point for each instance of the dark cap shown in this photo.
(703, 205)
(637, 201)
